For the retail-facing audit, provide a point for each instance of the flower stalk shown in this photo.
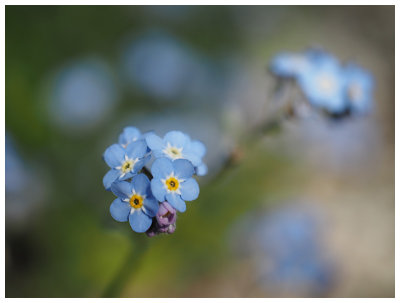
(128, 268)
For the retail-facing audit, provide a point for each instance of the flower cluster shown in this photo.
(338, 90)
(149, 199)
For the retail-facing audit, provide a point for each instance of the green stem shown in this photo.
(268, 127)
(129, 267)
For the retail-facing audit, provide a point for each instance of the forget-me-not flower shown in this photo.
(150, 201)
(172, 181)
(177, 145)
(359, 88)
(324, 83)
(124, 162)
(135, 203)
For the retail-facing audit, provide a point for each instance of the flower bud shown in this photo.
(166, 215)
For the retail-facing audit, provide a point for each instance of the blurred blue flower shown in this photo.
(177, 145)
(289, 239)
(135, 203)
(324, 83)
(285, 244)
(82, 94)
(26, 186)
(124, 162)
(16, 174)
(172, 181)
(359, 88)
(159, 65)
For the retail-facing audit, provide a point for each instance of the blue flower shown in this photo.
(359, 88)
(124, 162)
(177, 145)
(172, 181)
(324, 83)
(135, 203)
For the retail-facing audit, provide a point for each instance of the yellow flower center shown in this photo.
(172, 183)
(136, 201)
(174, 151)
(127, 166)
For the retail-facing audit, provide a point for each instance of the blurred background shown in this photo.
(307, 210)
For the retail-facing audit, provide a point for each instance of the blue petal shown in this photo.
(177, 138)
(127, 176)
(136, 149)
(114, 155)
(158, 189)
(198, 148)
(111, 176)
(139, 221)
(139, 165)
(192, 157)
(183, 168)
(140, 183)
(161, 168)
(146, 134)
(154, 142)
(189, 190)
(120, 210)
(122, 189)
(202, 169)
(158, 153)
(129, 134)
(176, 202)
(150, 206)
